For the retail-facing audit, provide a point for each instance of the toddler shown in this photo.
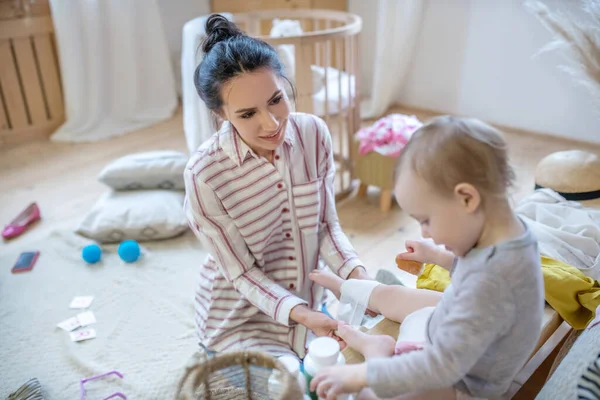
(452, 177)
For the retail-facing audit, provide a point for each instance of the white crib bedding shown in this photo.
(328, 99)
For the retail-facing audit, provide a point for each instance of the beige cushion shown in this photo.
(150, 170)
(141, 215)
(573, 174)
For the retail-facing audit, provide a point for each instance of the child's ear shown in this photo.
(468, 196)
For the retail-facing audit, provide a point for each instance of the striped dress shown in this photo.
(266, 227)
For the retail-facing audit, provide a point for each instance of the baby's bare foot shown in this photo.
(328, 280)
(370, 346)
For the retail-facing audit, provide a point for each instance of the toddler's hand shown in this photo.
(420, 251)
(424, 252)
(333, 381)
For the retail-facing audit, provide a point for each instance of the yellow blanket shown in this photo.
(572, 294)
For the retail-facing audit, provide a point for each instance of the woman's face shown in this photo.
(256, 105)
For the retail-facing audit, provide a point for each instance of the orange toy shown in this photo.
(412, 267)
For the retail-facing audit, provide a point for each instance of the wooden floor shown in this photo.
(61, 177)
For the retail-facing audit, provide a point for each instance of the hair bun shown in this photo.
(218, 29)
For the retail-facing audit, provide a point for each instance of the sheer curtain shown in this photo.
(394, 26)
(115, 67)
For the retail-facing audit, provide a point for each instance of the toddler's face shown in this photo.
(447, 219)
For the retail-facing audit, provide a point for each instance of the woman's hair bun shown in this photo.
(218, 29)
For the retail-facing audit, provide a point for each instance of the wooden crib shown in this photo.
(329, 42)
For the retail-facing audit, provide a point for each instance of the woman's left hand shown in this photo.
(318, 322)
(334, 381)
(322, 325)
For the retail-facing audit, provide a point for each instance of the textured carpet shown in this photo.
(145, 327)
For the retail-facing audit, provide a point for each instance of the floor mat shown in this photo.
(145, 318)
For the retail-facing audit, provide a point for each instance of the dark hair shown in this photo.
(228, 52)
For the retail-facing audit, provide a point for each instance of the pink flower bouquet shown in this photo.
(388, 135)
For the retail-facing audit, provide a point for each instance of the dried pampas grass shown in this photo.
(578, 37)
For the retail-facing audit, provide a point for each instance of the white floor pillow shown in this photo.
(150, 170)
(141, 215)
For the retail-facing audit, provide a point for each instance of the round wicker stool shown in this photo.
(236, 376)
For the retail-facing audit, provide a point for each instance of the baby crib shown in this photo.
(326, 57)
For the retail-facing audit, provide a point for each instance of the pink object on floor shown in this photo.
(112, 396)
(406, 347)
(388, 135)
(20, 224)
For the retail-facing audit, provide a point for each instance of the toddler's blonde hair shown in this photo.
(450, 150)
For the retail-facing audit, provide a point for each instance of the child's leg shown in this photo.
(393, 302)
(396, 302)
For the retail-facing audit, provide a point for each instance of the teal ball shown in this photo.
(129, 251)
(91, 254)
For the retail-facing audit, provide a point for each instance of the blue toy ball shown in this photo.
(91, 254)
(129, 251)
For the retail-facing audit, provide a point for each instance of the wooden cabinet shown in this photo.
(31, 101)
(13, 9)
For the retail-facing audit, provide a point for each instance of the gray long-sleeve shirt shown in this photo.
(483, 330)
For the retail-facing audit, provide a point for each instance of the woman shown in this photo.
(260, 196)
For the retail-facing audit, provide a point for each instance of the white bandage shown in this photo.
(354, 300)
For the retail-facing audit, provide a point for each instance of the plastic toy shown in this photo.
(112, 396)
(129, 251)
(412, 267)
(91, 254)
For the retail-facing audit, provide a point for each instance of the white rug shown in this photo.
(145, 327)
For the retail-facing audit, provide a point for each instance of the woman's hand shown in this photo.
(331, 382)
(316, 321)
(426, 252)
(359, 273)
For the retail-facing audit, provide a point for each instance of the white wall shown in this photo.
(474, 58)
(174, 14)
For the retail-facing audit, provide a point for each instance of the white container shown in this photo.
(323, 352)
(293, 366)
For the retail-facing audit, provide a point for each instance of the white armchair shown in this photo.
(197, 120)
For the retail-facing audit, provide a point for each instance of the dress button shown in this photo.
(287, 235)
(285, 210)
(292, 258)
(277, 157)
(292, 286)
(279, 186)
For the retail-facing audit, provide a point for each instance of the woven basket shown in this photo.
(240, 375)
